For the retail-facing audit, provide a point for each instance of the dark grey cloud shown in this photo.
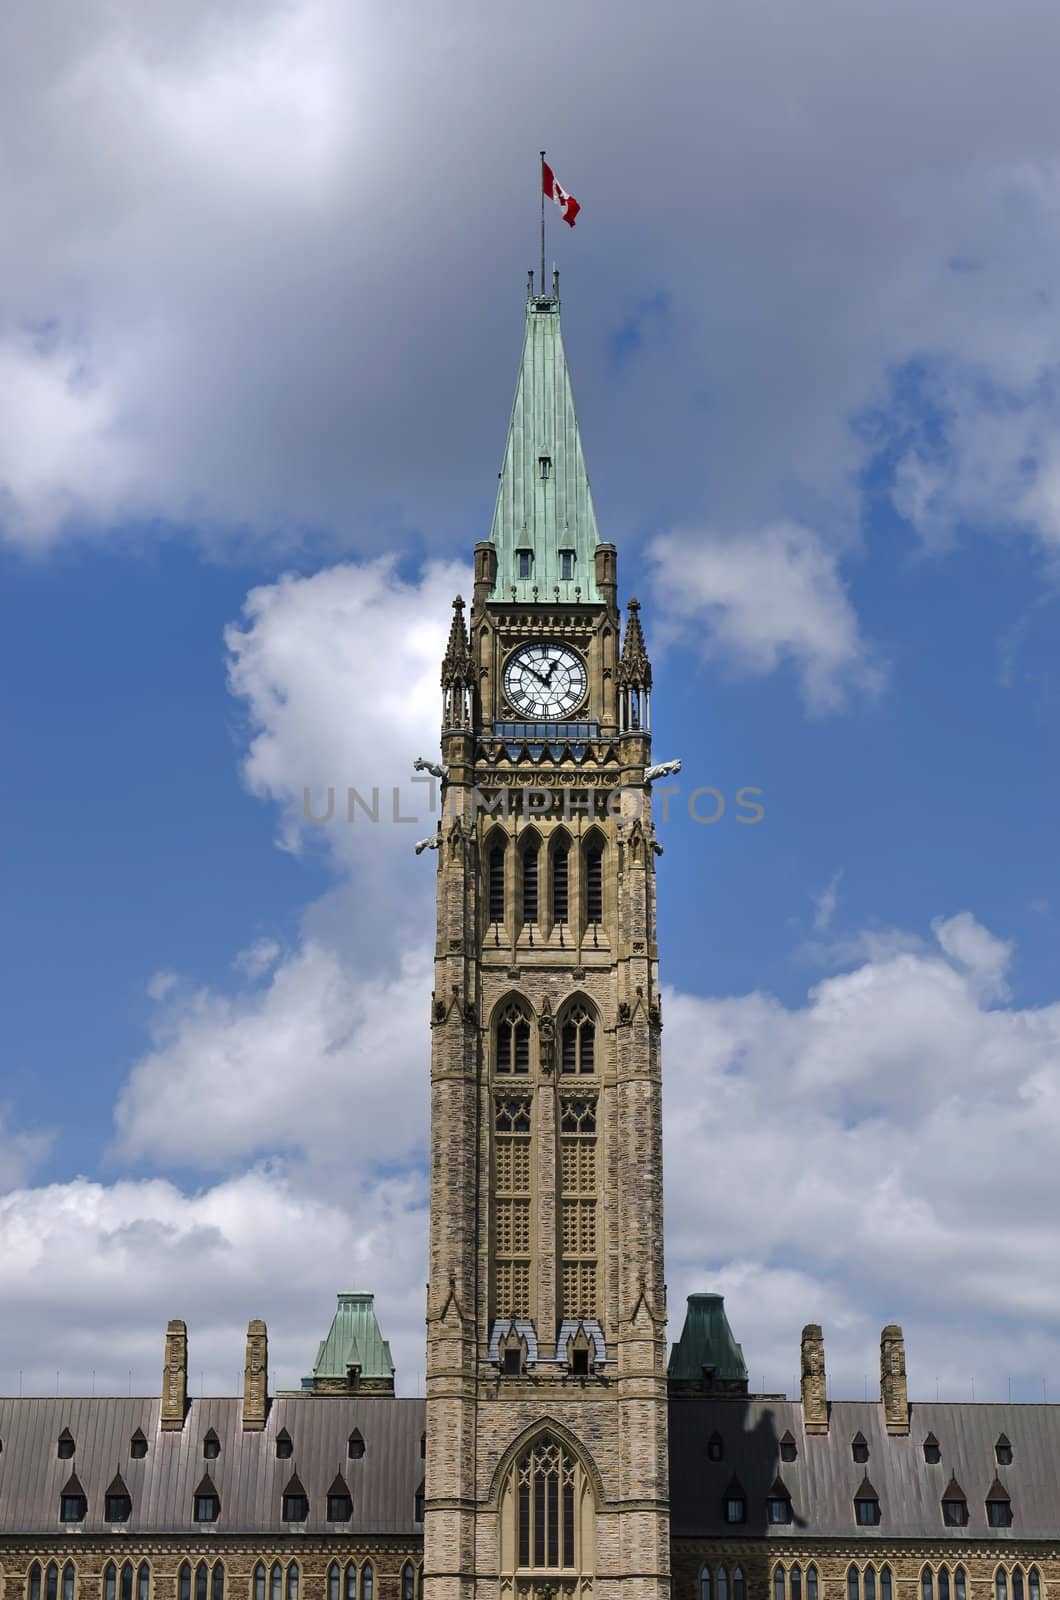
(263, 264)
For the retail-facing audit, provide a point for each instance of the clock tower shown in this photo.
(546, 1354)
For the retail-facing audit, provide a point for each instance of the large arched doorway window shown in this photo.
(548, 1522)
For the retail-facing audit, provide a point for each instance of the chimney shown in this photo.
(814, 1396)
(606, 561)
(175, 1377)
(256, 1377)
(893, 1390)
(485, 573)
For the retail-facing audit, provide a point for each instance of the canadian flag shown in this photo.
(555, 191)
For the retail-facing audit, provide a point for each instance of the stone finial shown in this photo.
(634, 668)
(893, 1390)
(814, 1391)
(256, 1377)
(175, 1377)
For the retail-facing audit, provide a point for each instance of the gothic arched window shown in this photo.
(561, 883)
(184, 1581)
(887, 1587)
(545, 1483)
(513, 1039)
(408, 1581)
(795, 1582)
(778, 1583)
(1000, 1584)
(496, 883)
(531, 853)
(594, 883)
(579, 1041)
(704, 1584)
(367, 1581)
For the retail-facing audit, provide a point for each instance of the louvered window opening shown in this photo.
(578, 1217)
(531, 856)
(496, 883)
(561, 885)
(594, 886)
(511, 1207)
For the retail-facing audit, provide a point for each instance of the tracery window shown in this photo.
(861, 1583)
(579, 1041)
(546, 1481)
(184, 1581)
(578, 1208)
(548, 1516)
(367, 1581)
(811, 1583)
(70, 1581)
(513, 1039)
(511, 1208)
(408, 1581)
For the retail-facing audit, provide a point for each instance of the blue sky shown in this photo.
(253, 394)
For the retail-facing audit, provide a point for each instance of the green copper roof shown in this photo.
(544, 503)
(706, 1341)
(354, 1340)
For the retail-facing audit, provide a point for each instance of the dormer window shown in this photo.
(524, 560)
(735, 1502)
(117, 1502)
(788, 1448)
(353, 1377)
(295, 1502)
(998, 1506)
(513, 1362)
(138, 1446)
(932, 1452)
(566, 565)
(579, 1363)
(859, 1448)
(866, 1505)
(65, 1447)
(1003, 1451)
(954, 1506)
(211, 1446)
(715, 1448)
(778, 1503)
(73, 1504)
(340, 1503)
(206, 1505)
(284, 1446)
(355, 1445)
(544, 467)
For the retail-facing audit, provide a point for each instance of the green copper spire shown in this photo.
(544, 504)
(706, 1348)
(354, 1355)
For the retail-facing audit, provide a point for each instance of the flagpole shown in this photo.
(541, 185)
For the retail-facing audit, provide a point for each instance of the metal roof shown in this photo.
(249, 1479)
(706, 1342)
(544, 502)
(824, 1477)
(353, 1340)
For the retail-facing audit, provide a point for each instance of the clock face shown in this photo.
(545, 680)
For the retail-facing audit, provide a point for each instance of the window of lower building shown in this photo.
(367, 1581)
(70, 1580)
(184, 1581)
(853, 1583)
(259, 1581)
(778, 1583)
(1000, 1584)
(202, 1581)
(408, 1581)
(291, 1592)
(927, 1584)
(811, 1583)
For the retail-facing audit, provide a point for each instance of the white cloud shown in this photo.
(131, 1255)
(324, 1061)
(763, 598)
(889, 1141)
(824, 904)
(225, 219)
